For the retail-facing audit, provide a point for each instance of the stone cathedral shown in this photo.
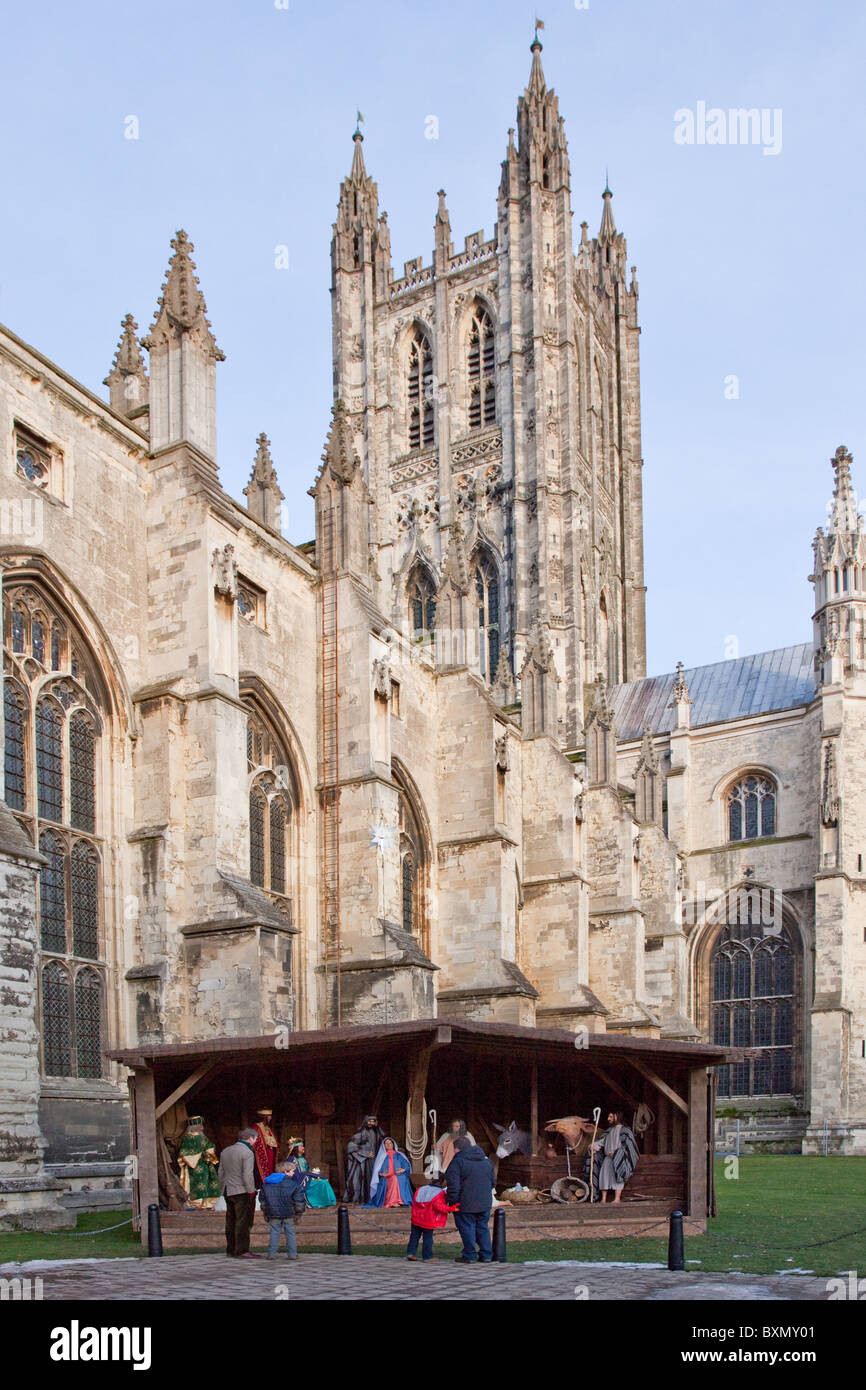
(415, 767)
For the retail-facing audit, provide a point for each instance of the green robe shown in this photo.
(198, 1167)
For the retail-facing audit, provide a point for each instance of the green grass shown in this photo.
(784, 1202)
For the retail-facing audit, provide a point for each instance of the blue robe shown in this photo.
(379, 1181)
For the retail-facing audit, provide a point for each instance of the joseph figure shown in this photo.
(361, 1154)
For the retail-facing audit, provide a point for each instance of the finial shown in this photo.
(536, 42)
(359, 134)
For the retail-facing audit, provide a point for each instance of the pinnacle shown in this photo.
(607, 230)
(128, 358)
(181, 303)
(844, 514)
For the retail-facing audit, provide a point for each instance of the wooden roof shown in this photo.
(504, 1038)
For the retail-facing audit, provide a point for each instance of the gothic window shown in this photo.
(258, 806)
(272, 797)
(82, 773)
(481, 371)
(751, 804)
(422, 603)
(32, 458)
(52, 894)
(15, 765)
(72, 1021)
(487, 603)
(84, 891)
(752, 982)
(56, 1020)
(50, 773)
(420, 392)
(49, 761)
(408, 873)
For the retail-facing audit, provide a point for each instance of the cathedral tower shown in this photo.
(497, 387)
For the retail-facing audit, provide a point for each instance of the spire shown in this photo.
(844, 516)
(127, 380)
(340, 457)
(607, 230)
(359, 169)
(183, 358)
(537, 85)
(181, 307)
(263, 491)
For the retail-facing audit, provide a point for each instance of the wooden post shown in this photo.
(696, 1157)
(145, 1124)
(419, 1066)
(533, 1108)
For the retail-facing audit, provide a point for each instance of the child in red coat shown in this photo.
(429, 1213)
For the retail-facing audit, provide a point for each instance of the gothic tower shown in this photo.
(498, 388)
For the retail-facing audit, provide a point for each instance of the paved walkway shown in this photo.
(331, 1277)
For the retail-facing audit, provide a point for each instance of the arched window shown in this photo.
(56, 1020)
(51, 782)
(14, 751)
(753, 973)
(272, 798)
(420, 391)
(751, 805)
(414, 863)
(487, 604)
(82, 773)
(422, 603)
(481, 371)
(84, 891)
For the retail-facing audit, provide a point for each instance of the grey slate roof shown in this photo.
(782, 679)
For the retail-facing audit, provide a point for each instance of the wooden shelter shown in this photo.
(320, 1084)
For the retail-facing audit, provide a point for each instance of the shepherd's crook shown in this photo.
(596, 1115)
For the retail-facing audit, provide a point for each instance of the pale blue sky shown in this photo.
(748, 264)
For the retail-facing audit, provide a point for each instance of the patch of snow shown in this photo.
(19, 1267)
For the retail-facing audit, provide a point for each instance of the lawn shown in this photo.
(779, 1213)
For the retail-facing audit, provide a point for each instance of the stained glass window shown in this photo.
(88, 1023)
(752, 979)
(37, 637)
(52, 894)
(49, 762)
(84, 891)
(82, 773)
(422, 604)
(278, 845)
(481, 367)
(257, 838)
(57, 646)
(487, 598)
(15, 774)
(752, 808)
(56, 1020)
(19, 629)
(408, 893)
(420, 392)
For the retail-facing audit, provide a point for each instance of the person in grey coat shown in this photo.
(238, 1185)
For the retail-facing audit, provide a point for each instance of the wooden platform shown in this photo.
(202, 1230)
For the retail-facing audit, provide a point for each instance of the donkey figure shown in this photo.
(513, 1140)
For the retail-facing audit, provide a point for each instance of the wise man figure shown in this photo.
(197, 1160)
(265, 1146)
(361, 1155)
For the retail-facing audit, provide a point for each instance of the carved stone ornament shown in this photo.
(502, 753)
(225, 572)
(382, 678)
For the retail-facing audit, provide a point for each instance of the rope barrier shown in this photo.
(100, 1230)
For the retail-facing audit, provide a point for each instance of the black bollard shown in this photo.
(344, 1235)
(676, 1253)
(154, 1230)
(499, 1248)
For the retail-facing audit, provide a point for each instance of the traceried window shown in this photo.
(751, 805)
(272, 800)
(422, 603)
(487, 603)
(408, 873)
(32, 458)
(753, 991)
(481, 371)
(53, 701)
(420, 392)
(414, 862)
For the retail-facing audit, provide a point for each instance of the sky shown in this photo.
(751, 291)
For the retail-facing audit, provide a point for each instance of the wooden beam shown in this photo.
(186, 1086)
(660, 1085)
(612, 1084)
(145, 1144)
(696, 1160)
(533, 1107)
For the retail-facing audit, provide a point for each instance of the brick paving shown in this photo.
(332, 1277)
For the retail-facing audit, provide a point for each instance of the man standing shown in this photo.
(361, 1154)
(237, 1180)
(470, 1178)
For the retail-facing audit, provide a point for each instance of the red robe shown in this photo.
(266, 1154)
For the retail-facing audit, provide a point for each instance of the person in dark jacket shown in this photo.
(282, 1200)
(470, 1178)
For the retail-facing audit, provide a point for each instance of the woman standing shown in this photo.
(389, 1185)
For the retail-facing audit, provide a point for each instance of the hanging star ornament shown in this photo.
(383, 836)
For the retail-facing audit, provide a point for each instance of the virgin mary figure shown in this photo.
(389, 1185)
